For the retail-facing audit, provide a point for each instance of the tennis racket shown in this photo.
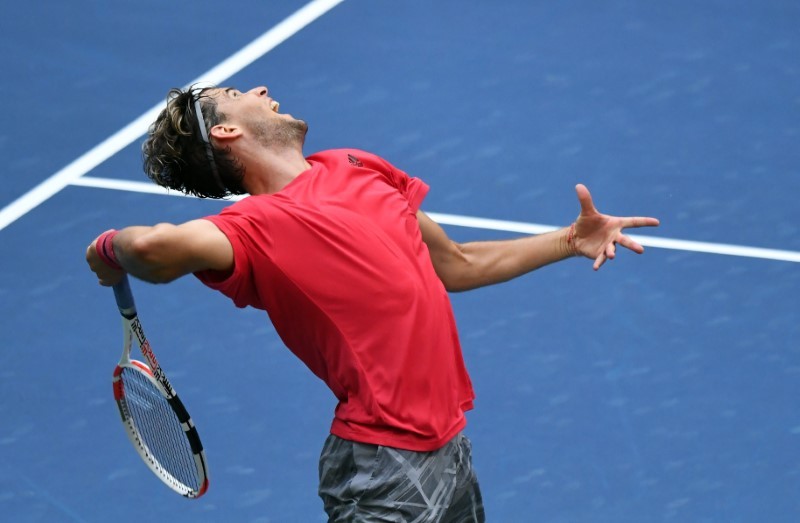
(154, 417)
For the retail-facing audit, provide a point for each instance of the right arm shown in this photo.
(164, 252)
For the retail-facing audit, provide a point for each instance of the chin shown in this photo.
(301, 126)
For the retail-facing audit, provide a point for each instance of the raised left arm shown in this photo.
(464, 266)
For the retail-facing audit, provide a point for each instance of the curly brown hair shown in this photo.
(175, 154)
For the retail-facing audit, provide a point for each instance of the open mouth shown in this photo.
(274, 106)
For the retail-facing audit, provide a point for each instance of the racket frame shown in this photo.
(132, 329)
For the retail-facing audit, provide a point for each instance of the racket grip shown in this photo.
(124, 297)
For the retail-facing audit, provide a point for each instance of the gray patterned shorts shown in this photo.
(361, 483)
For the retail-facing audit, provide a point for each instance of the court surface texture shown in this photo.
(663, 388)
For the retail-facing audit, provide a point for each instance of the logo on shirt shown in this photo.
(354, 161)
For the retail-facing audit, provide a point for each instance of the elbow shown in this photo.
(455, 269)
(456, 279)
(161, 276)
(455, 285)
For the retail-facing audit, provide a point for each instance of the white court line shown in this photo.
(125, 136)
(498, 225)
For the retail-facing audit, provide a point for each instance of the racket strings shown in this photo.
(159, 428)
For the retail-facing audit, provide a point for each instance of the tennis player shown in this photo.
(355, 279)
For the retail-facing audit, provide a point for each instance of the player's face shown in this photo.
(256, 112)
(234, 102)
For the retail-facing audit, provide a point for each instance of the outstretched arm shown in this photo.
(163, 252)
(464, 266)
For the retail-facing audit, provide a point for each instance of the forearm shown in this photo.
(144, 252)
(488, 263)
(154, 254)
(162, 253)
(476, 264)
(134, 250)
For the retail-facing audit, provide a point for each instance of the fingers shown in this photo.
(111, 279)
(599, 228)
(609, 252)
(640, 221)
(587, 207)
(626, 242)
(599, 261)
(106, 276)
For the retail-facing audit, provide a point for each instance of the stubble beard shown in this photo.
(281, 133)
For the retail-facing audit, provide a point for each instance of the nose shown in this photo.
(261, 90)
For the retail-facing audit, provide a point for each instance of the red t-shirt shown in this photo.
(337, 260)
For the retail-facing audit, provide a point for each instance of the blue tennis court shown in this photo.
(663, 388)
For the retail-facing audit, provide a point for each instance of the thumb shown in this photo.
(585, 199)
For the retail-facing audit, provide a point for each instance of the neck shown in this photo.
(270, 171)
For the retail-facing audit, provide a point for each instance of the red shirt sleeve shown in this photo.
(413, 189)
(237, 283)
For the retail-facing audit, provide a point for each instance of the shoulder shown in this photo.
(353, 162)
(238, 206)
(350, 156)
(245, 211)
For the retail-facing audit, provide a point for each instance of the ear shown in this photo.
(224, 132)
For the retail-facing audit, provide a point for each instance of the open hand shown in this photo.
(596, 235)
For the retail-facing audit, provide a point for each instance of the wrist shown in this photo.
(105, 249)
(570, 246)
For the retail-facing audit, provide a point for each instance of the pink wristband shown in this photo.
(105, 249)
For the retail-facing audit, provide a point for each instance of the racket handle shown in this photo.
(124, 297)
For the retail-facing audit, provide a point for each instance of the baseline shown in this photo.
(496, 225)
